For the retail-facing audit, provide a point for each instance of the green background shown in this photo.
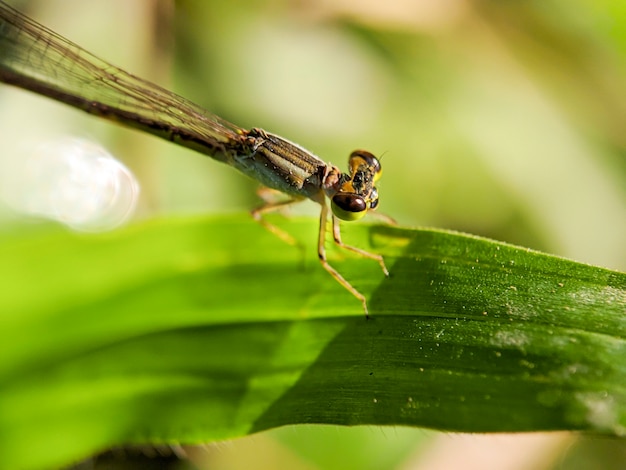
(500, 119)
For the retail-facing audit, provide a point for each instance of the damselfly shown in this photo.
(37, 59)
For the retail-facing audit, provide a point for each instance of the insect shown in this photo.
(37, 59)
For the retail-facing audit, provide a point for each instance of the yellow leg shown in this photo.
(367, 254)
(383, 217)
(273, 206)
(321, 253)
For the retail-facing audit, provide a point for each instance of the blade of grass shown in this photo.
(200, 329)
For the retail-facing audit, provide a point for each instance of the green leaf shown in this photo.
(200, 329)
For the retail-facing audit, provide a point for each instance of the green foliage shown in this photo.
(200, 329)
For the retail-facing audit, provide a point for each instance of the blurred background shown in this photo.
(499, 118)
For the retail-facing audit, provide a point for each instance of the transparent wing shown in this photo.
(37, 59)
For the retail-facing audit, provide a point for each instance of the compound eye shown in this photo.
(348, 206)
(374, 199)
(370, 160)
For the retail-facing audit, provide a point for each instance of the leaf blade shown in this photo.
(188, 330)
